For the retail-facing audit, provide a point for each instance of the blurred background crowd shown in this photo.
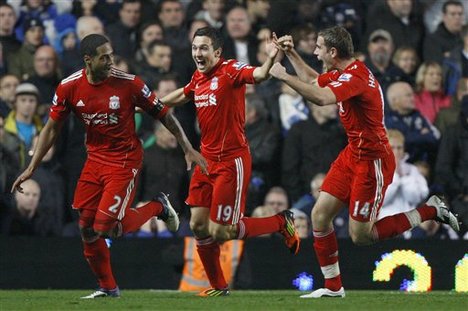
(417, 50)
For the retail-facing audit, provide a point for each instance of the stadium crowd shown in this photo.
(417, 50)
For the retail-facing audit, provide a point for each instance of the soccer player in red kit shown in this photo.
(105, 99)
(362, 172)
(217, 199)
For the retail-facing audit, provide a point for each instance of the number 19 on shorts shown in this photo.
(224, 213)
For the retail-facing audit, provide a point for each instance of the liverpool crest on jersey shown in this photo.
(114, 102)
(214, 84)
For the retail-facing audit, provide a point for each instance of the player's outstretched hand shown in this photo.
(194, 157)
(278, 71)
(284, 43)
(271, 48)
(21, 178)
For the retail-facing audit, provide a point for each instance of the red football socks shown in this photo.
(98, 256)
(208, 250)
(251, 226)
(394, 225)
(136, 217)
(326, 249)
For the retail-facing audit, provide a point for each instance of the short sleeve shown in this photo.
(239, 72)
(60, 109)
(327, 77)
(347, 86)
(147, 100)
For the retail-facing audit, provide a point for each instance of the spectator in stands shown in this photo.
(406, 62)
(123, 33)
(449, 116)
(46, 77)
(164, 169)
(307, 201)
(23, 219)
(22, 123)
(421, 137)
(87, 25)
(401, 20)
(44, 11)
(121, 63)
(156, 63)
(8, 42)
(292, 108)
(148, 33)
(52, 202)
(9, 168)
(456, 64)
(66, 44)
(153, 228)
(302, 223)
(309, 148)
(212, 13)
(380, 49)
(258, 12)
(240, 43)
(21, 63)
(264, 142)
(409, 187)
(430, 96)
(8, 84)
(276, 201)
(305, 38)
(447, 36)
(171, 15)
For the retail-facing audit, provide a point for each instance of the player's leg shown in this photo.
(208, 249)
(229, 194)
(87, 196)
(335, 191)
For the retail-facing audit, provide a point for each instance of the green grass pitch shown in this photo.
(239, 300)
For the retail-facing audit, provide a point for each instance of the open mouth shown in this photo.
(200, 62)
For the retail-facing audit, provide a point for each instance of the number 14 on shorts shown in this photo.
(361, 210)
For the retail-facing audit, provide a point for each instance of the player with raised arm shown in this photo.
(363, 170)
(217, 200)
(105, 99)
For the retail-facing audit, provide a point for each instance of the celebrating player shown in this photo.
(105, 99)
(217, 199)
(362, 172)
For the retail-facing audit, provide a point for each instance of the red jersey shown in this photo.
(107, 110)
(219, 97)
(361, 108)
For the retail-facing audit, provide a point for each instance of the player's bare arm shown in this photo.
(175, 98)
(262, 73)
(310, 91)
(304, 71)
(191, 155)
(46, 139)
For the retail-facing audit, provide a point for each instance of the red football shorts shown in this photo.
(360, 183)
(224, 190)
(103, 194)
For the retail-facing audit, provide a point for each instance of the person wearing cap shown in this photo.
(22, 123)
(379, 61)
(21, 64)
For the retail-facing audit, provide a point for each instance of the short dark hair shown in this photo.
(90, 43)
(145, 26)
(339, 38)
(155, 43)
(450, 2)
(301, 32)
(212, 33)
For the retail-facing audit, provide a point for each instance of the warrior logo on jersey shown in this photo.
(114, 102)
(340, 105)
(146, 91)
(239, 65)
(214, 84)
(345, 77)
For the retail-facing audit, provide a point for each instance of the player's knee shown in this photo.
(360, 238)
(320, 219)
(88, 235)
(220, 233)
(199, 228)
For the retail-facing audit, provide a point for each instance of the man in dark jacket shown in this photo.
(447, 36)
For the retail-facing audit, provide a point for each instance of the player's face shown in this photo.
(101, 63)
(323, 53)
(203, 53)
